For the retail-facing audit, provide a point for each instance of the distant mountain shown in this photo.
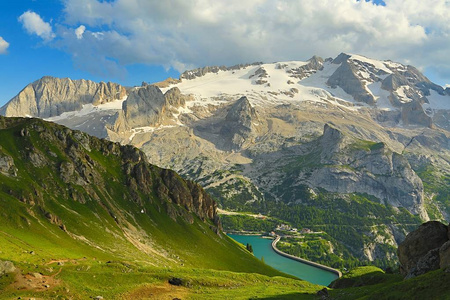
(349, 144)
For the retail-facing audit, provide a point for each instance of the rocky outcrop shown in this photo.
(420, 251)
(345, 77)
(239, 123)
(348, 165)
(175, 98)
(49, 96)
(313, 65)
(413, 113)
(192, 74)
(7, 166)
(145, 106)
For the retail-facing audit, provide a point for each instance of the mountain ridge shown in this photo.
(271, 148)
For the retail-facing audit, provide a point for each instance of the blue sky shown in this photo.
(130, 41)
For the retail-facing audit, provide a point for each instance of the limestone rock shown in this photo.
(413, 113)
(345, 77)
(353, 166)
(239, 123)
(175, 98)
(429, 236)
(144, 107)
(7, 166)
(49, 96)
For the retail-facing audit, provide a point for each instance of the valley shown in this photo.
(353, 151)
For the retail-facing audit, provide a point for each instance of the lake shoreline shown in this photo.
(263, 250)
(311, 263)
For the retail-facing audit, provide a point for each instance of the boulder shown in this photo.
(6, 267)
(418, 243)
(176, 281)
(444, 254)
(427, 263)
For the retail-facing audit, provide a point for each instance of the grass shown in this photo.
(86, 223)
(89, 279)
(110, 248)
(377, 285)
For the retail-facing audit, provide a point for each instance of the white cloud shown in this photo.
(79, 31)
(214, 32)
(33, 24)
(3, 45)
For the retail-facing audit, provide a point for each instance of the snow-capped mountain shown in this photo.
(277, 132)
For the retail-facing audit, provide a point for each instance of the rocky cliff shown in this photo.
(76, 159)
(49, 96)
(355, 166)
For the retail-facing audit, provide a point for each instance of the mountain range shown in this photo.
(355, 147)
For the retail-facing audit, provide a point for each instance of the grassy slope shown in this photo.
(165, 247)
(373, 283)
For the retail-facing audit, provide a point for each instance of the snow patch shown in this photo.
(376, 63)
(381, 96)
(88, 109)
(438, 101)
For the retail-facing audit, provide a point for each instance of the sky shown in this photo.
(131, 41)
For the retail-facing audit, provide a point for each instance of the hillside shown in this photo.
(355, 147)
(71, 203)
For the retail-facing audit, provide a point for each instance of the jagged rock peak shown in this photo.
(346, 77)
(341, 58)
(331, 133)
(192, 74)
(175, 98)
(239, 124)
(51, 96)
(316, 62)
(242, 112)
(144, 106)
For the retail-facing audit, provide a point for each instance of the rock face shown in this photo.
(49, 96)
(175, 98)
(345, 77)
(354, 166)
(420, 251)
(239, 123)
(144, 107)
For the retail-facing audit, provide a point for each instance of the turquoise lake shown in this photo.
(263, 248)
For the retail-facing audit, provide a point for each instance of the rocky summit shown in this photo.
(310, 137)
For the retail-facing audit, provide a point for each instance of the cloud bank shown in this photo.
(3, 45)
(184, 34)
(34, 24)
